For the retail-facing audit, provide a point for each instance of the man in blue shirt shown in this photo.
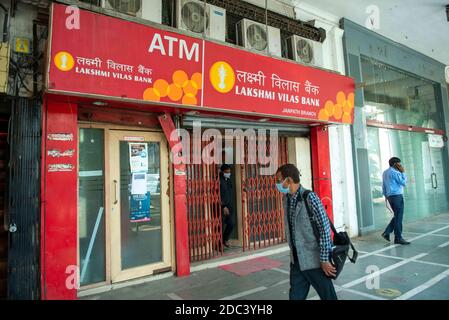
(393, 183)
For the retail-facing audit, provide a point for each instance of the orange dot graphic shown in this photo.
(180, 78)
(351, 100)
(150, 95)
(346, 107)
(341, 98)
(174, 92)
(197, 77)
(189, 99)
(323, 115)
(330, 108)
(338, 111)
(161, 87)
(191, 88)
(346, 118)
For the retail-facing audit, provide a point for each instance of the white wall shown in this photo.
(299, 154)
(278, 6)
(343, 187)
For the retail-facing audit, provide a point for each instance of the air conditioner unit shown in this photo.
(305, 50)
(146, 9)
(253, 35)
(194, 17)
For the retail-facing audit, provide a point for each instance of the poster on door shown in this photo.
(138, 157)
(140, 207)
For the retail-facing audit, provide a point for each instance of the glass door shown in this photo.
(425, 194)
(435, 183)
(139, 204)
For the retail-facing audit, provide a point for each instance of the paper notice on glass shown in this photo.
(435, 141)
(138, 157)
(153, 184)
(139, 183)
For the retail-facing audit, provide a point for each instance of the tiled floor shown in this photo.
(417, 271)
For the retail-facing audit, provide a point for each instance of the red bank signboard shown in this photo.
(111, 57)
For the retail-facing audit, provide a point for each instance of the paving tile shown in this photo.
(439, 255)
(279, 292)
(438, 291)
(215, 283)
(361, 268)
(402, 279)
(423, 227)
(267, 278)
(445, 232)
(218, 289)
(407, 251)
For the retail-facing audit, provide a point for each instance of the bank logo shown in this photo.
(64, 61)
(222, 77)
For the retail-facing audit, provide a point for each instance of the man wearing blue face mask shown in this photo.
(310, 259)
(226, 190)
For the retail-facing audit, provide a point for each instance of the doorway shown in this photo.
(123, 204)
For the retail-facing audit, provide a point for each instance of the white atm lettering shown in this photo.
(159, 43)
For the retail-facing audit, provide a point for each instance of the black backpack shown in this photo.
(342, 242)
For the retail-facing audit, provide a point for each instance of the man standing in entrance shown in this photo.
(226, 190)
(393, 183)
(310, 259)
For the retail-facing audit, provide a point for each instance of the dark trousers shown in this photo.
(228, 220)
(397, 204)
(300, 282)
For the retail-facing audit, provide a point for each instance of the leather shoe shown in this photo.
(402, 241)
(386, 237)
(226, 244)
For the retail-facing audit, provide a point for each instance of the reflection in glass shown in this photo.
(397, 97)
(141, 234)
(91, 225)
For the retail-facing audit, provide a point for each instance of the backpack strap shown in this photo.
(311, 216)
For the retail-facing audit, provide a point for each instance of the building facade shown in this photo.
(110, 88)
(402, 111)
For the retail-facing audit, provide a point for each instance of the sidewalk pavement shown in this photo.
(383, 271)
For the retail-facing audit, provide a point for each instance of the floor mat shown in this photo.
(250, 266)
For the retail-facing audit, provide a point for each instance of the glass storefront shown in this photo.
(395, 97)
(426, 190)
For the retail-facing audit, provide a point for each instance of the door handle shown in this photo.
(432, 176)
(115, 188)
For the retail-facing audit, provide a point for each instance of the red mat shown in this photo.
(250, 266)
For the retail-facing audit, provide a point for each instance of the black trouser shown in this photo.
(300, 282)
(397, 204)
(229, 221)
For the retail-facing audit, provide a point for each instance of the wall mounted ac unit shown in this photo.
(305, 50)
(253, 35)
(447, 74)
(146, 9)
(192, 16)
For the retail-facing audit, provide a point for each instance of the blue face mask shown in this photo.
(281, 188)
